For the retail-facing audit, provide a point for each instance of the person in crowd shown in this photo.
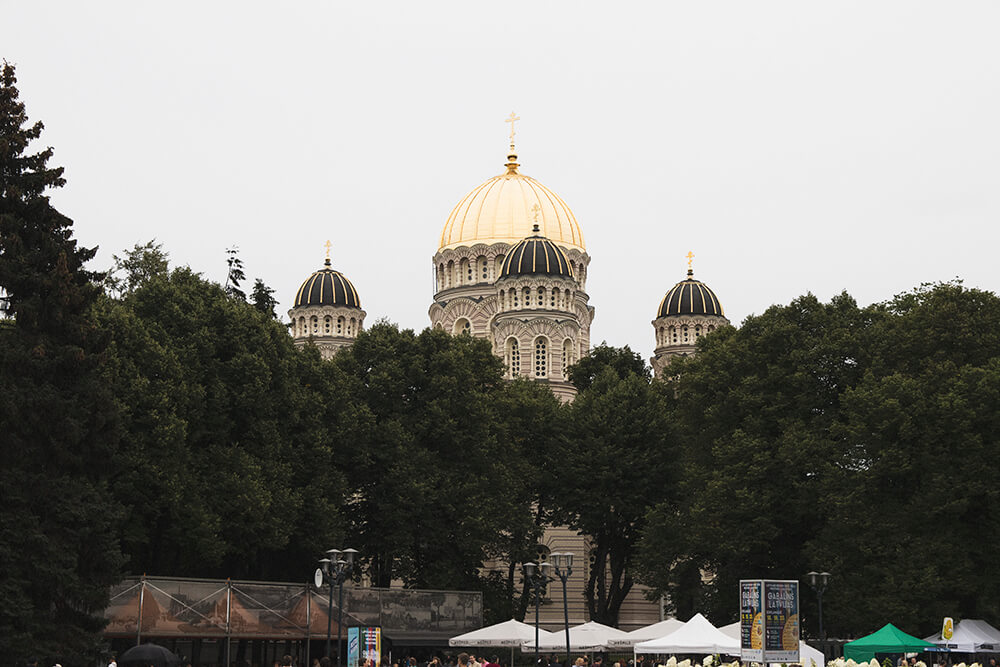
(554, 662)
(286, 661)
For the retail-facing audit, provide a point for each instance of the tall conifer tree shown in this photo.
(57, 551)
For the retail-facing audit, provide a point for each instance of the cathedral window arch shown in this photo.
(303, 331)
(465, 272)
(541, 357)
(513, 358)
(711, 328)
(327, 325)
(527, 297)
(541, 296)
(448, 274)
(314, 325)
(513, 294)
(567, 357)
(340, 325)
(440, 276)
(684, 333)
(462, 325)
(697, 331)
(351, 326)
(554, 297)
(484, 268)
(673, 335)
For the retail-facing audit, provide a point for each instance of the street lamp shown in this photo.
(563, 566)
(538, 576)
(818, 581)
(334, 570)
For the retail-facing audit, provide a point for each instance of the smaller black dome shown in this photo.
(690, 297)
(536, 255)
(327, 287)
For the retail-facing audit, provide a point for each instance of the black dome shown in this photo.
(690, 297)
(536, 255)
(327, 287)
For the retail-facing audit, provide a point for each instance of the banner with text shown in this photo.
(769, 620)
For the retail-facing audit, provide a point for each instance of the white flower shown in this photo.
(707, 662)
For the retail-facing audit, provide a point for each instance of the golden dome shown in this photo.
(504, 209)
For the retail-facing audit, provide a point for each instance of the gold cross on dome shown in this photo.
(511, 119)
(536, 209)
(690, 257)
(328, 245)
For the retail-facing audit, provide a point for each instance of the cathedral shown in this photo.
(511, 267)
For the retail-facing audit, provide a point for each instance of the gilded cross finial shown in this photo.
(536, 209)
(690, 258)
(512, 118)
(328, 245)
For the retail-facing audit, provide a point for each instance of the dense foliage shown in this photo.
(859, 441)
(154, 421)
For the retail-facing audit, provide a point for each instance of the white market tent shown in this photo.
(654, 631)
(807, 654)
(970, 636)
(696, 636)
(591, 636)
(508, 633)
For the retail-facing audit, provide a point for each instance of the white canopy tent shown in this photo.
(591, 636)
(697, 636)
(807, 654)
(654, 631)
(510, 634)
(970, 636)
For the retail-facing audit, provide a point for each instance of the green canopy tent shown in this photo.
(889, 639)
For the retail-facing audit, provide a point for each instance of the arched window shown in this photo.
(527, 297)
(350, 327)
(513, 360)
(541, 296)
(541, 357)
(465, 272)
(554, 297)
(440, 277)
(303, 331)
(684, 333)
(503, 300)
(513, 294)
(567, 357)
(711, 328)
(697, 331)
(484, 268)
(314, 325)
(673, 335)
(462, 326)
(448, 274)
(327, 324)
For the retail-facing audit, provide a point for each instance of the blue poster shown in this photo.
(353, 647)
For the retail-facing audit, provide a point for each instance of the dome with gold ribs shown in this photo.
(502, 210)
(535, 255)
(327, 287)
(690, 297)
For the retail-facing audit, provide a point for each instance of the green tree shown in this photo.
(136, 267)
(435, 485)
(230, 470)
(263, 299)
(622, 359)
(58, 553)
(914, 508)
(614, 464)
(754, 415)
(234, 274)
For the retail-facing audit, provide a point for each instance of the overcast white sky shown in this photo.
(792, 146)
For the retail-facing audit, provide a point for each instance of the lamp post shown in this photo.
(818, 581)
(538, 576)
(563, 567)
(334, 570)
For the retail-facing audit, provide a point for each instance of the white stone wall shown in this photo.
(328, 327)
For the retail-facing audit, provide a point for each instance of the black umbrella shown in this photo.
(149, 654)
